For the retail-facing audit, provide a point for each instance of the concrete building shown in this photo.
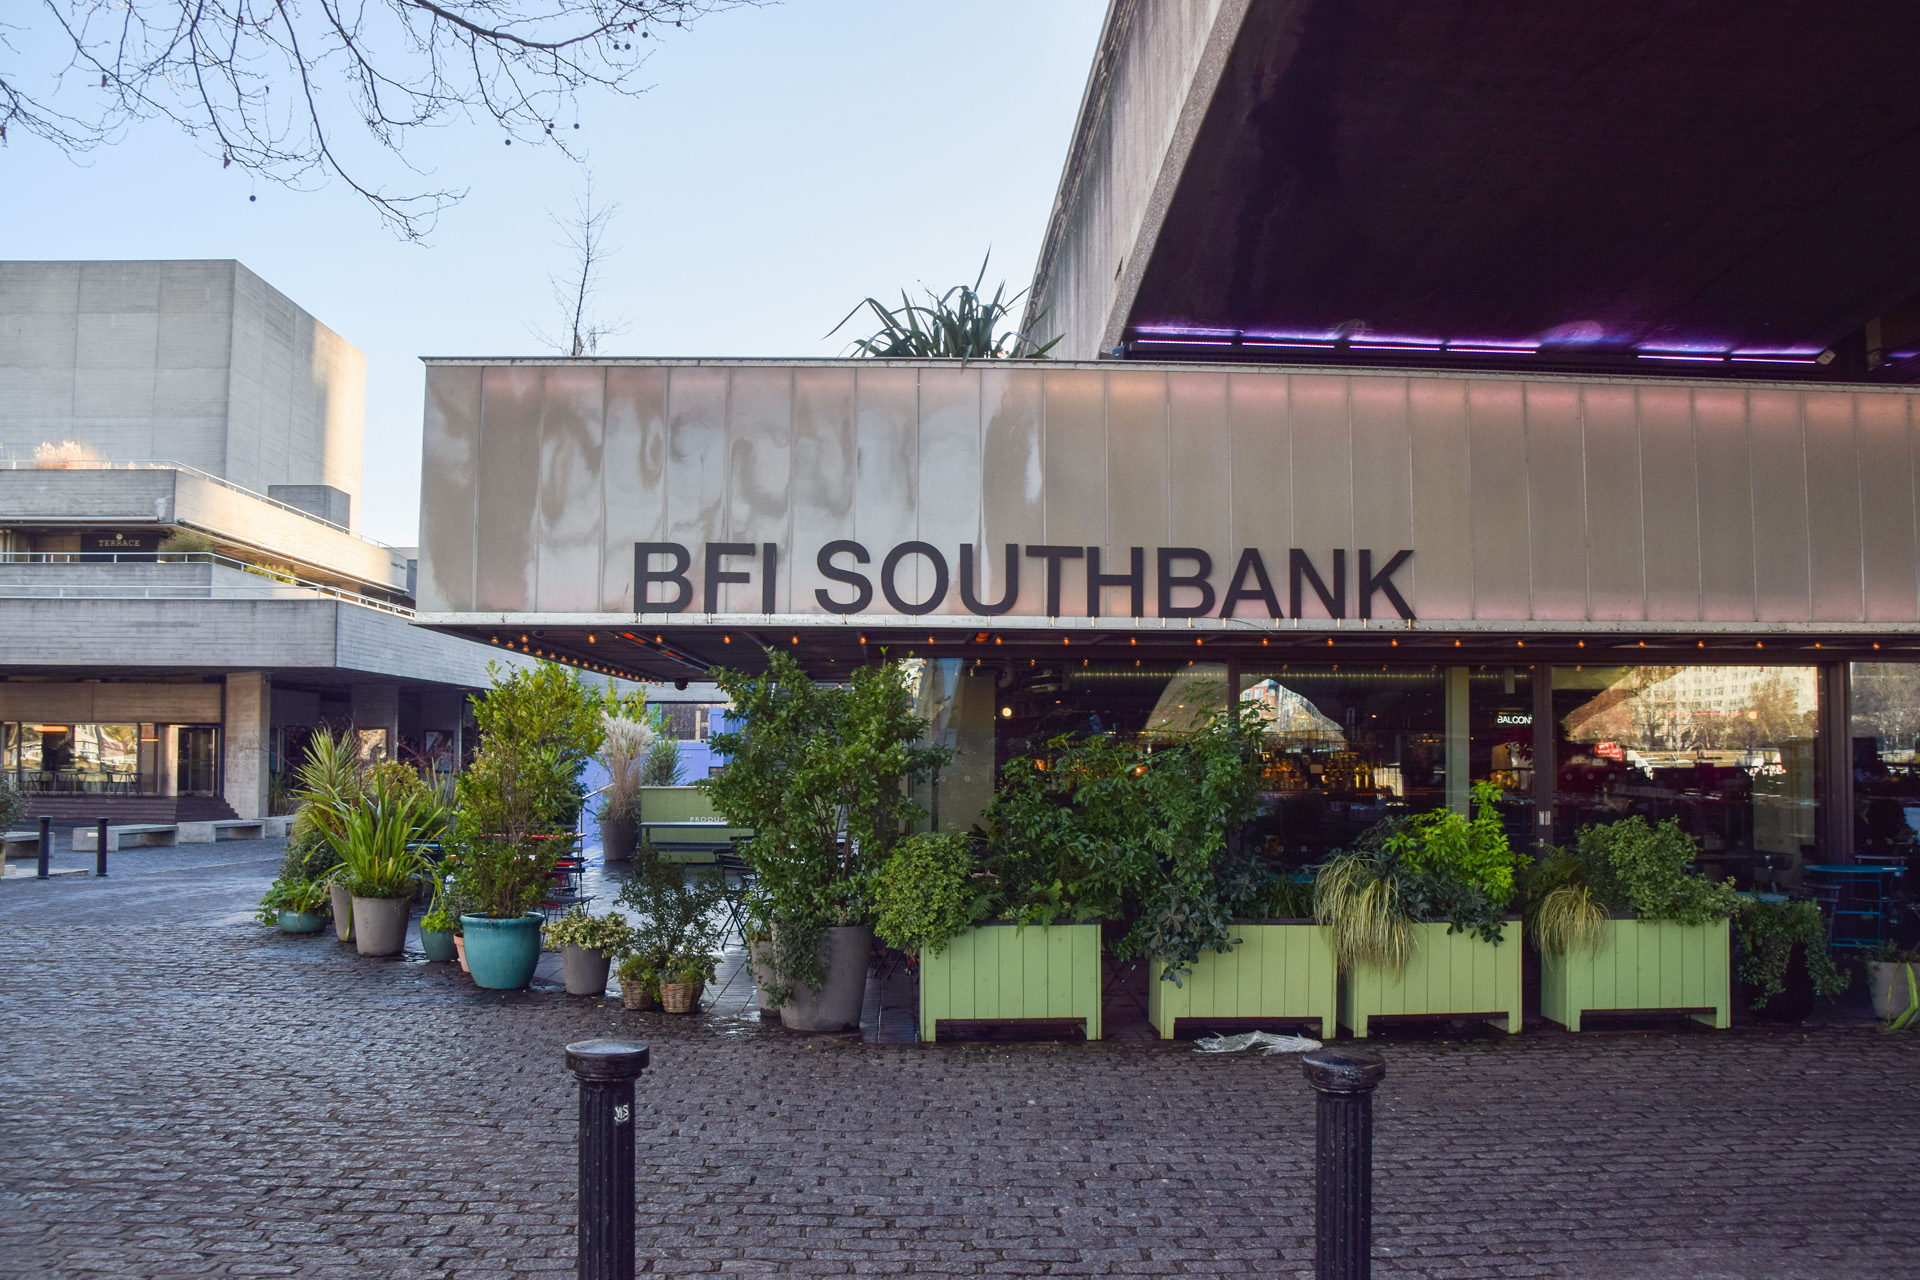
(183, 598)
(1474, 388)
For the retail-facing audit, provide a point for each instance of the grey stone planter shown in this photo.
(758, 952)
(342, 912)
(586, 971)
(836, 1006)
(380, 925)
(1889, 985)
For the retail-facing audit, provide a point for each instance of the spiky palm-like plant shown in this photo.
(959, 324)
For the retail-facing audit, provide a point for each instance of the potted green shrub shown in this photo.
(295, 906)
(625, 743)
(379, 859)
(587, 944)
(1784, 959)
(437, 939)
(1891, 977)
(685, 977)
(936, 900)
(639, 983)
(1624, 923)
(820, 774)
(1416, 915)
(674, 912)
(515, 809)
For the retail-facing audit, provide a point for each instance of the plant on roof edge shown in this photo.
(956, 325)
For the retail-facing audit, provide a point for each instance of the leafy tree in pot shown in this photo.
(820, 772)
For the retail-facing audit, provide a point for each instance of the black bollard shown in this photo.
(100, 849)
(606, 1070)
(1343, 1161)
(46, 846)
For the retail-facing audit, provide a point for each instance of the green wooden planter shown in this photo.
(1642, 965)
(1460, 974)
(1280, 969)
(1007, 973)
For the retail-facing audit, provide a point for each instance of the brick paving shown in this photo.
(185, 1094)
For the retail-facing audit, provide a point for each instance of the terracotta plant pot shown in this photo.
(460, 952)
(680, 997)
(637, 996)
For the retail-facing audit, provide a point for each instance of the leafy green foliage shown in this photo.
(1628, 865)
(1908, 1019)
(1768, 932)
(293, 894)
(12, 803)
(958, 325)
(820, 772)
(513, 807)
(607, 934)
(439, 920)
(674, 909)
(377, 842)
(929, 891)
(661, 765)
(1469, 854)
(638, 969)
(1064, 831)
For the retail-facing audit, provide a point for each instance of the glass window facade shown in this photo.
(1730, 752)
(112, 759)
(1884, 715)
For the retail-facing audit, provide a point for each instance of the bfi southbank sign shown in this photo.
(1184, 580)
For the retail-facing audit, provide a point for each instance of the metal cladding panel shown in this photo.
(1886, 508)
(1557, 529)
(759, 479)
(1076, 467)
(1260, 462)
(886, 500)
(949, 476)
(1197, 459)
(1012, 482)
(1779, 460)
(449, 484)
(1442, 498)
(1322, 475)
(1496, 421)
(1382, 476)
(1726, 504)
(1139, 474)
(507, 555)
(1670, 505)
(825, 457)
(573, 410)
(1522, 501)
(1833, 502)
(633, 476)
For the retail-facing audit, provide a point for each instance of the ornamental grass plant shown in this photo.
(1620, 867)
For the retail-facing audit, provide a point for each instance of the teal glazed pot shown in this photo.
(501, 954)
(300, 922)
(438, 944)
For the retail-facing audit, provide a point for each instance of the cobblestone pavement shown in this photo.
(183, 1093)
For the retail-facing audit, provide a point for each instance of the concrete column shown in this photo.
(169, 770)
(1834, 774)
(1459, 781)
(246, 737)
(377, 706)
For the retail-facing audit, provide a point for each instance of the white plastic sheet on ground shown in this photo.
(1267, 1040)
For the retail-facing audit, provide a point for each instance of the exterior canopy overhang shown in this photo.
(1681, 189)
(670, 647)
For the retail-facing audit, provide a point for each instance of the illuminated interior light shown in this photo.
(591, 637)
(1006, 713)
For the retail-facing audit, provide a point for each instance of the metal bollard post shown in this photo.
(46, 846)
(1343, 1160)
(100, 849)
(606, 1070)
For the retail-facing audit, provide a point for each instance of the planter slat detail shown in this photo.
(1460, 974)
(1277, 971)
(1004, 973)
(1642, 965)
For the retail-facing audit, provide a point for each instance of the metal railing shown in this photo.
(285, 580)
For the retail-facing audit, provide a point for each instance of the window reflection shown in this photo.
(1727, 751)
(1885, 728)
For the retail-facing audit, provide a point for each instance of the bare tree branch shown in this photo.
(364, 73)
(584, 233)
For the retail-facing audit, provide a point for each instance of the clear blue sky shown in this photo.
(788, 161)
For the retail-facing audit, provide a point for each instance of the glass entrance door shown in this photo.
(197, 766)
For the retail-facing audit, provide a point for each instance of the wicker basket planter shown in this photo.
(1280, 970)
(680, 997)
(639, 996)
(1006, 973)
(1642, 966)
(1461, 975)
